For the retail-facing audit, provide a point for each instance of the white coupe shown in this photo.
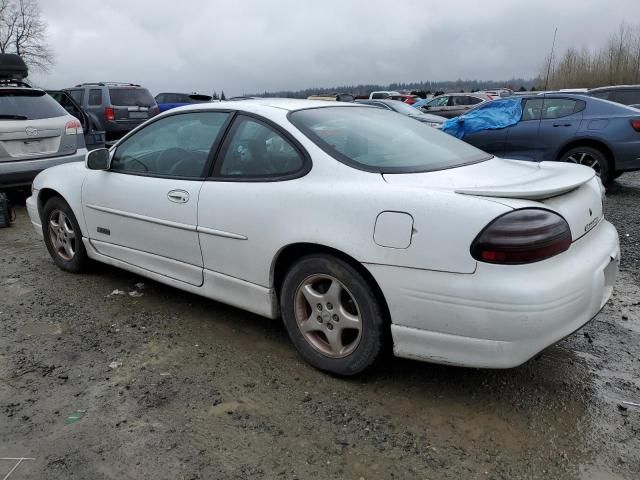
(358, 226)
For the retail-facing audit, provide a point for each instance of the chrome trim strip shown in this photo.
(144, 218)
(220, 233)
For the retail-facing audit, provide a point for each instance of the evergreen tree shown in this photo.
(222, 97)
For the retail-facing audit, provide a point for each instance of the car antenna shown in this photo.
(553, 45)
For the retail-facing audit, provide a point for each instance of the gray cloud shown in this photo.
(255, 45)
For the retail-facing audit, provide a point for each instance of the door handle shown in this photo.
(561, 124)
(178, 196)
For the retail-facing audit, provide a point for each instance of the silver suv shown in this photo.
(35, 131)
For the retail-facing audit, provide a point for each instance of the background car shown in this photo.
(35, 131)
(167, 101)
(120, 107)
(354, 224)
(624, 94)
(382, 94)
(93, 136)
(403, 108)
(572, 128)
(451, 105)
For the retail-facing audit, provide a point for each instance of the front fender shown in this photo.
(65, 181)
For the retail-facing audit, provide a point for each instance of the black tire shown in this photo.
(617, 174)
(590, 154)
(368, 310)
(78, 260)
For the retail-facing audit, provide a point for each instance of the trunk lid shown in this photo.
(28, 139)
(567, 189)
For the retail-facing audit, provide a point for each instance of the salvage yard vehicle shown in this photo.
(624, 94)
(572, 128)
(403, 108)
(356, 225)
(168, 100)
(35, 131)
(121, 107)
(451, 105)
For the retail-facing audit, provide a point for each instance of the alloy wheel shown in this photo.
(63, 237)
(328, 316)
(586, 159)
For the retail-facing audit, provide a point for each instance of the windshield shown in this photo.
(131, 97)
(28, 105)
(380, 141)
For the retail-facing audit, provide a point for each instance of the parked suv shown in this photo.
(121, 107)
(35, 131)
(624, 94)
(451, 105)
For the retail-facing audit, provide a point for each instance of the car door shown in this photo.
(143, 210)
(258, 168)
(521, 140)
(561, 118)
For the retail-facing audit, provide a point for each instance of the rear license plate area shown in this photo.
(32, 146)
(138, 115)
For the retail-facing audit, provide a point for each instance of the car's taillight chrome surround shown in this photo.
(522, 236)
(73, 127)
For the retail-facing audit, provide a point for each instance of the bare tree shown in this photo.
(24, 32)
(617, 62)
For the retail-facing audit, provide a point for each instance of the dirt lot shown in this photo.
(163, 384)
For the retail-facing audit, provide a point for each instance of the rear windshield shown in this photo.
(378, 140)
(28, 105)
(131, 97)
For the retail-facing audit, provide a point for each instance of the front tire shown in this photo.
(590, 157)
(63, 237)
(332, 315)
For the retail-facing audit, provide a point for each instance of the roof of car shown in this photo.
(288, 104)
(614, 87)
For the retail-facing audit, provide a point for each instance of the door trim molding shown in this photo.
(220, 233)
(144, 218)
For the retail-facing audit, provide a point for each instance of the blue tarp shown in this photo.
(493, 115)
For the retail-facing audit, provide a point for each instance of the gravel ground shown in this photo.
(157, 383)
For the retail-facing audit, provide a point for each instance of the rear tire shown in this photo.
(63, 237)
(332, 315)
(590, 157)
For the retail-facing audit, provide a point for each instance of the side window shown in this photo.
(77, 95)
(560, 107)
(95, 97)
(256, 150)
(606, 95)
(532, 109)
(474, 100)
(460, 100)
(160, 98)
(438, 102)
(627, 97)
(174, 146)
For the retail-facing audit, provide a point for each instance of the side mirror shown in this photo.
(99, 159)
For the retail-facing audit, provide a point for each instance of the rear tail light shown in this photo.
(522, 236)
(109, 113)
(73, 127)
(635, 124)
(153, 111)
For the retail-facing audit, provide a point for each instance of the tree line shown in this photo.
(617, 62)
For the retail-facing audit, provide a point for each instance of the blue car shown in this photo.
(563, 127)
(167, 101)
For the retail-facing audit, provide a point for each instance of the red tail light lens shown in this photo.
(73, 127)
(109, 113)
(522, 236)
(635, 124)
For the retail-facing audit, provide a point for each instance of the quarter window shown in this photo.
(174, 146)
(255, 150)
(438, 102)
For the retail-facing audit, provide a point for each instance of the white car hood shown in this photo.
(502, 178)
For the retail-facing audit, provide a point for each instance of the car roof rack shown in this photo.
(109, 84)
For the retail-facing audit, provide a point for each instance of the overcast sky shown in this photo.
(244, 46)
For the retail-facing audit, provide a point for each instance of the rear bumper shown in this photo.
(499, 316)
(627, 156)
(21, 173)
(34, 214)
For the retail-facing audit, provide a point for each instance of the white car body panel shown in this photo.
(224, 242)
